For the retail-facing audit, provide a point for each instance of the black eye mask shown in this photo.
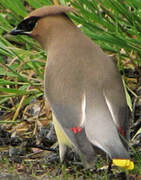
(28, 24)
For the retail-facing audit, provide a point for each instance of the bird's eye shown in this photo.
(28, 24)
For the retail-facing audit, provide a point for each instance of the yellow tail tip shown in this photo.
(124, 163)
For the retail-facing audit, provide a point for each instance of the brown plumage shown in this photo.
(50, 10)
(82, 86)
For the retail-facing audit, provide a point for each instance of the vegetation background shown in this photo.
(114, 24)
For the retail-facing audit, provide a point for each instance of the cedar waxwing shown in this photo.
(82, 86)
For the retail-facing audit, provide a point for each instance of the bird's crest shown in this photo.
(50, 10)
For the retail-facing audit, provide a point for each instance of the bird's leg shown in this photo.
(62, 151)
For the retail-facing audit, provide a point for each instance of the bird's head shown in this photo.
(37, 24)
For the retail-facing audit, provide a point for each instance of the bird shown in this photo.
(82, 86)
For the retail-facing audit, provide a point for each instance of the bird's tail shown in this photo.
(103, 133)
